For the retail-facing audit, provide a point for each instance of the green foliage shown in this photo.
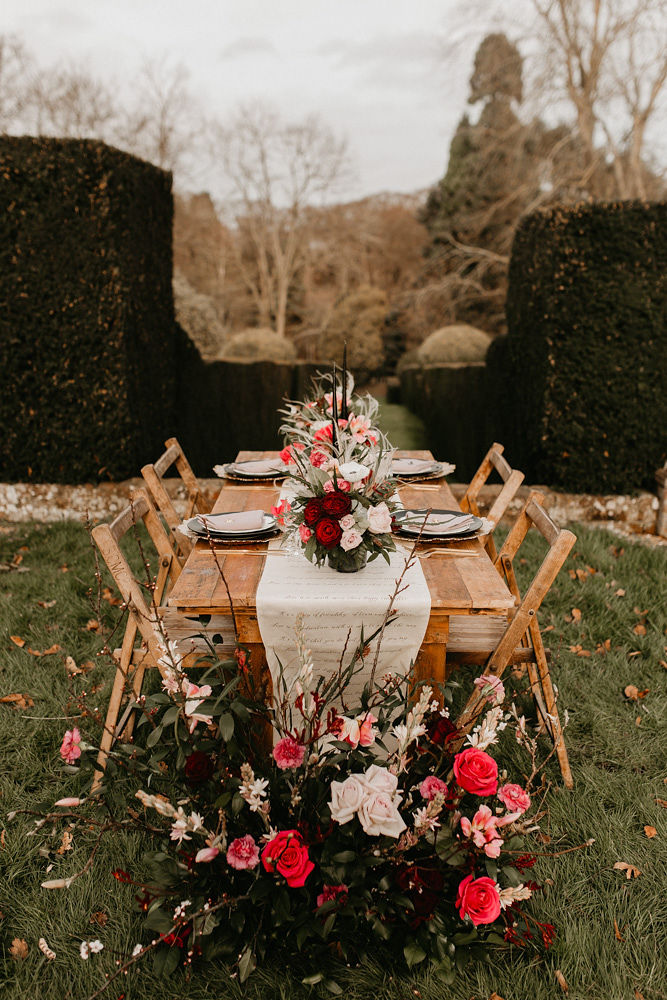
(587, 316)
(498, 70)
(260, 344)
(454, 344)
(86, 311)
(357, 319)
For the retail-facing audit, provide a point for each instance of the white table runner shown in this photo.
(331, 603)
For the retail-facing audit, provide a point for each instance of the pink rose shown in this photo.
(209, 854)
(70, 749)
(350, 539)
(333, 892)
(478, 899)
(476, 771)
(304, 533)
(492, 688)
(432, 786)
(287, 855)
(514, 798)
(483, 831)
(379, 519)
(287, 753)
(242, 853)
(347, 522)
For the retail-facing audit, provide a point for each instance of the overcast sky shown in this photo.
(375, 70)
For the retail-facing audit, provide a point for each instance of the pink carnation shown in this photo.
(281, 511)
(318, 459)
(70, 749)
(304, 533)
(514, 798)
(288, 753)
(492, 688)
(432, 786)
(243, 853)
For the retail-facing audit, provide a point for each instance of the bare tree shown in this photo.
(15, 68)
(276, 171)
(70, 103)
(608, 60)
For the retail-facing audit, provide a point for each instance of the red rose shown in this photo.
(288, 855)
(424, 888)
(328, 532)
(439, 729)
(478, 898)
(198, 768)
(312, 512)
(336, 504)
(476, 772)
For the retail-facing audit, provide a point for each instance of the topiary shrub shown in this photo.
(458, 343)
(358, 320)
(87, 331)
(583, 369)
(197, 314)
(259, 344)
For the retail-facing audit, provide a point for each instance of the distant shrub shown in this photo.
(258, 344)
(583, 369)
(197, 314)
(357, 319)
(457, 343)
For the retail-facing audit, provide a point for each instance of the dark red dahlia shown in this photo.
(198, 768)
(336, 504)
(312, 512)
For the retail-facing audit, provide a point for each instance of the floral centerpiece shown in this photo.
(357, 830)
(339, 508)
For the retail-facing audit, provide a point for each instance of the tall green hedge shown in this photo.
(582, 372)
(87, 344)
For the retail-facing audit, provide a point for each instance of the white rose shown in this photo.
(346, 797)
(379, 779)
(379, 519)
(350, 540)
(347, 522)
(379, 816)
(353, 471)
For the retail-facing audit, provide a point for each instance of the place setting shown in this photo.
(233, 526)
(419, 469)
(259, 470)
(438, 525)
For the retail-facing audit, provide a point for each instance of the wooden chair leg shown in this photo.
(549, 697)
(109, 733)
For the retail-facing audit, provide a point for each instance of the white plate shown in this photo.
(404, 467)
(197, 528)
(245, 470)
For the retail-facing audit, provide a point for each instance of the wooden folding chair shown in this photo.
(512, 479)
(522, 641)
(153, 475)
(147, 620)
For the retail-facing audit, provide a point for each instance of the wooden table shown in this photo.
(459, 586)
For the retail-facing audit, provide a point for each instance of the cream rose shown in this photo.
(379, 519)
(379, 779)
(350, 540)
(347, 522)
(379, 816)
(346, 797)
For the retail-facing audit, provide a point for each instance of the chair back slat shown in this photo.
(153, 475)
(512, 479)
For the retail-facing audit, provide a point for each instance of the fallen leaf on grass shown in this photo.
(66, 843)
(619, 593)
(100, 918)
(51, 651)
(18, 641)
(548, 628)
(92, 625)
(576, 615)
(2, 840)
(662, 802)
(632, 692)
(495, 996)
(663, 663)
(639, 629)
(108, 595)
(18, 949)
(46, 604)
(617, 933)
(603, 647)
(630, 870)
(638, 720)
(635, 652)
(45, 950)
(71, 667)
(638, 995)
(578, 650)
(650, 832)
(561, 980)
(17, 700)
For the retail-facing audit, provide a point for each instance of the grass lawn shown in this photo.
(611, 942)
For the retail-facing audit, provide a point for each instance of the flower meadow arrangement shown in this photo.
(319, 830)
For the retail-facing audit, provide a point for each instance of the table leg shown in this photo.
(262, 687)
(430, 665)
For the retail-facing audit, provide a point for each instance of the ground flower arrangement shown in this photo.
(317, 830)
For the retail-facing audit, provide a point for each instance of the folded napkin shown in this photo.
(259, 466)
(439, 524)
(404, 466)
(240, 520)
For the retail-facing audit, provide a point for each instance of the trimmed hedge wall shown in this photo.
(582, 373)
(87, 347)
(452, 403)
